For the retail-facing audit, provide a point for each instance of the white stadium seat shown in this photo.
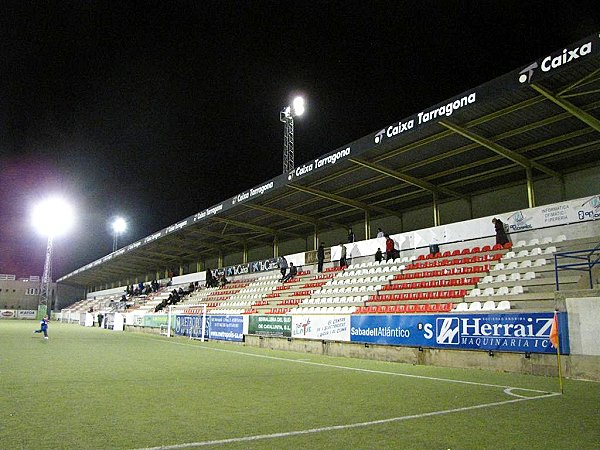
(489, 305)
(516, 290)
(503, 305)
(520, 244)
(462, 307)
(475, 306)
(476, 292)
(529, 276)
(539, 262)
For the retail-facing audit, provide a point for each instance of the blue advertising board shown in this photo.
(185, 325)
(227, 328)
(511, 332)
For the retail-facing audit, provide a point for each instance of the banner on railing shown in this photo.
(226, 328)
(511, 332)
(270, 325)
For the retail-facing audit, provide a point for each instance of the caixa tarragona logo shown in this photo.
(554, 61)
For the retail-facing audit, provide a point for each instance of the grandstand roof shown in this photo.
(542, 118)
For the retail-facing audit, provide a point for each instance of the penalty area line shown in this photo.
(345, 427)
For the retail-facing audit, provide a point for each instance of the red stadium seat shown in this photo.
(486, 248)
(400, 308)
(475, 250)
(497, 247)
(508, 245)
(432, 307)
(456, 252)
(465, 251)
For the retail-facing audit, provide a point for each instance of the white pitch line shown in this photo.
(344, 427)
(507, 389)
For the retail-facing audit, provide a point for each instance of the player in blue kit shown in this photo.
(43, 327)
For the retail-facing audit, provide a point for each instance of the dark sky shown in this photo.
(156, 110)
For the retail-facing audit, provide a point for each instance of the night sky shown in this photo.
(156, 110)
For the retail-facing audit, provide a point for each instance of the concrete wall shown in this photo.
(584, 322)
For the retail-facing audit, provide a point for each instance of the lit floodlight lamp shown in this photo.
(298, 106)
(119, 226)
(53, 217)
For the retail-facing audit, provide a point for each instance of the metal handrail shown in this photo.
(586, 256)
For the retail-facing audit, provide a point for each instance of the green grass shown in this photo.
(88, 388)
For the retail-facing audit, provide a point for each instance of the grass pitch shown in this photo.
(87, 388)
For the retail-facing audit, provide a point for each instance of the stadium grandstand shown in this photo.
(523, 148)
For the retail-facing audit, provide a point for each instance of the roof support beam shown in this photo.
(291, 215)
(569, 107)
(342, 200)
(425, 185)
(251, 226)
(499, 149)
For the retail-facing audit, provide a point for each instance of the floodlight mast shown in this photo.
(287, 117)
(45, 292)
(52, 217)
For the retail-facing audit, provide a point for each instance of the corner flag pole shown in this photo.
(555, 341)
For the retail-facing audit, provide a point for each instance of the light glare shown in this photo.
(53, 217)
(119, 225)
(298, 105)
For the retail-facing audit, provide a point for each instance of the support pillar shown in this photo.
(530, 190)
(245, 254)
(275, 247)
(367, 225)
(220, 261)
(316, 238)
(436, 211)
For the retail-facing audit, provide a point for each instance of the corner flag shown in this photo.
(554, 331)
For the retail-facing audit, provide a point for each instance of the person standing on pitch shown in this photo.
(43, 327)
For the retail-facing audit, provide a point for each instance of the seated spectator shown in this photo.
(291, 274)
(378, 255)
(223, 281)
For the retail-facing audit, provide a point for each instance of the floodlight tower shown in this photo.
(119, 226)
(51, 217)
(287, 117)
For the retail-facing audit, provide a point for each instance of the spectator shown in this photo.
(390, 250)
(210, 280)
(350, 236)
(100, 317)
(293, 272)
(320, 257)
(378, 255)
(501, 236)
(380, 233)
(283, 266)
(343, 262)
(223, 281)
